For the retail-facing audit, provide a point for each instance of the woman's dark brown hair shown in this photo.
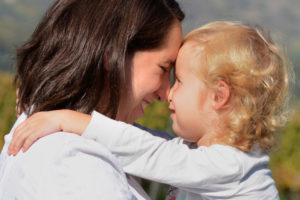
(76, 57)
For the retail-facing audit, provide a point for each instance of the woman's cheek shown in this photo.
(157, 83)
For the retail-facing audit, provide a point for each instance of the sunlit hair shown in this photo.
(257, 73)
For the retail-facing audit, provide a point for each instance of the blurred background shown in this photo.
(18, 19)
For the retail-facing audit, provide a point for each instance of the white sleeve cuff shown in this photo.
(100, 127)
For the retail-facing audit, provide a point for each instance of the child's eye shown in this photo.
(177, 79)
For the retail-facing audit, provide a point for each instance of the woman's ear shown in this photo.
(221, 95)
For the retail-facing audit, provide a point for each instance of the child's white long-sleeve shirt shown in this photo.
(215, 172)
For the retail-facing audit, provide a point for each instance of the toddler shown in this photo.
(228, 100)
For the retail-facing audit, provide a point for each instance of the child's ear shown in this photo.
(221, 95)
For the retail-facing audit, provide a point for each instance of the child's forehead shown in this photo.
(190, 52)
(190, 56)
(192, 49)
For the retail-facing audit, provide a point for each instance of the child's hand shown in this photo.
(38, 125)
(44, 123)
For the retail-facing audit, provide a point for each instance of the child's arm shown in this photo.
(166, 161)
(44, 123)
(139, 153)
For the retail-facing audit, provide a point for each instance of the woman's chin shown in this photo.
(134, 116)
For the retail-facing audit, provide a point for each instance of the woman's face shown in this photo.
(150, 76)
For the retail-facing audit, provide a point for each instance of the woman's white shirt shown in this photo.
(62, 166)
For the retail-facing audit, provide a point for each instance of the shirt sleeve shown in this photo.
(160, 160)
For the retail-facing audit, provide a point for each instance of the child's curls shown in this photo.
(258, 75)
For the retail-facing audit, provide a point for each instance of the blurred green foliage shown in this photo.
(7, 105)
(285, 161)
(156, 116)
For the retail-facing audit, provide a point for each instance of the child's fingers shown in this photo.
(21, 141)
(18, 139)
(26, 133)
(15, 145)
(28, 142)
(12, 144)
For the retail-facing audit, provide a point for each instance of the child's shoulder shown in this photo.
(231, 156)
(230, 151)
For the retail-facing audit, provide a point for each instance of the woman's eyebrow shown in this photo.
(170, 62)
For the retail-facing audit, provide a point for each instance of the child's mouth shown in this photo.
(172, 115)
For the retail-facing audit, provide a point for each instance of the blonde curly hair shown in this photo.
(257, 73)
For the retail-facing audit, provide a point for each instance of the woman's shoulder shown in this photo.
(63, 145)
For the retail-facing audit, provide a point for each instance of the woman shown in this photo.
(111, 44)
(111, 56)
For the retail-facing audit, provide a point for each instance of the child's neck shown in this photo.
(210, 138)
(213, 132)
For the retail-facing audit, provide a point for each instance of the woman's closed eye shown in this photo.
(164, 69)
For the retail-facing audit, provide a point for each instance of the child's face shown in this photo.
(189, 98)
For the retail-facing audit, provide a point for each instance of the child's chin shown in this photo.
(175, 128)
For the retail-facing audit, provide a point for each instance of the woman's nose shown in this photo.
(170, 95)
(164, 90)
